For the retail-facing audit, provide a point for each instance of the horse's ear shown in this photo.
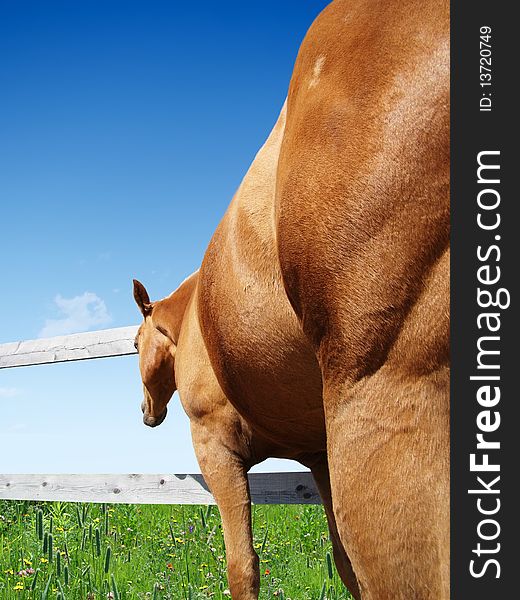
(142, 298)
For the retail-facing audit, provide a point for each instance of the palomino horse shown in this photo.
(172, 355)
(348, 218)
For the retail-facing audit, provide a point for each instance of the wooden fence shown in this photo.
(266, 488)
(65, 348)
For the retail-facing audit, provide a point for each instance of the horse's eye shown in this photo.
(136, 345)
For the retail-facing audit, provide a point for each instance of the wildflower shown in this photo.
(226, 593)
(26, 561)
(18, 586)
(191, 528)
(169, 566)
(9, 572)
(267, 572)
(179, 540)
(25, 572)
(44, 560)
(110, 596)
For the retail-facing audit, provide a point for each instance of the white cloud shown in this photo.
(80, 313)
(9, 392)
(17, 427)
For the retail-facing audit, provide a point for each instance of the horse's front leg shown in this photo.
(226, 475)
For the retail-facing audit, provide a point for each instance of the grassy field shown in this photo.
(69, 551)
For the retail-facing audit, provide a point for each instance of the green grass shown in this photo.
(100, 552)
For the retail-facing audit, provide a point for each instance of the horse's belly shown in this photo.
(262, 360)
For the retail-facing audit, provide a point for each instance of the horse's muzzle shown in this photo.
(152, 421)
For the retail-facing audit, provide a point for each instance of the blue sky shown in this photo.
(125, 128)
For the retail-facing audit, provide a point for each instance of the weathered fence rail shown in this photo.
(64, 348)
(266, 488)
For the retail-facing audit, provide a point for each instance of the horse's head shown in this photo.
(156, 350)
